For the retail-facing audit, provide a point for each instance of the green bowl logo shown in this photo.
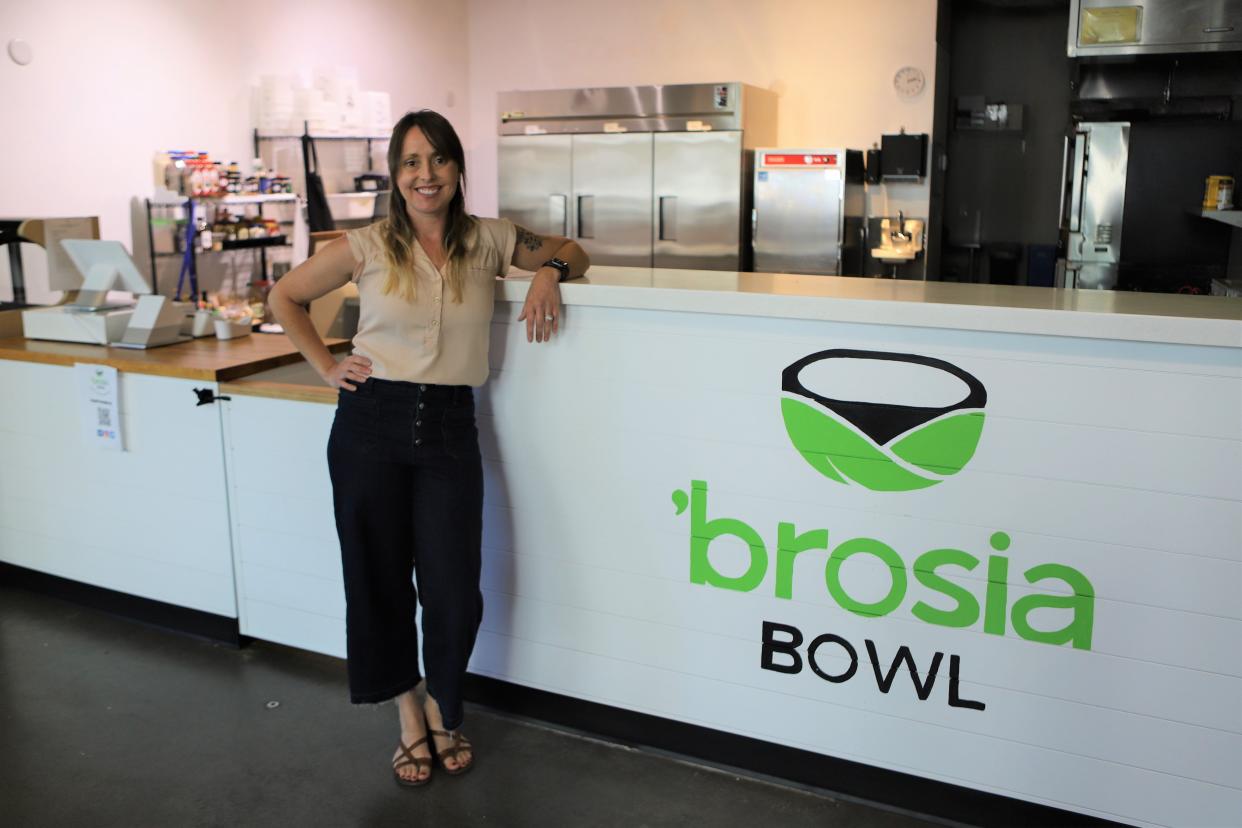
(882, 446)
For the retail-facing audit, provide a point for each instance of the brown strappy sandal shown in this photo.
(459, 745)
(407, 757)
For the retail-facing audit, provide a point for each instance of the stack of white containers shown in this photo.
(313, 110)
(332, 105)
(378, 112)
(275, 107)
(339, 87)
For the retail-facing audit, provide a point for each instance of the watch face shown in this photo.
(908, 82)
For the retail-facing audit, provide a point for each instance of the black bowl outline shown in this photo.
(883, 421)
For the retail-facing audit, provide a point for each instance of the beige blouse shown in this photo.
(432, 339)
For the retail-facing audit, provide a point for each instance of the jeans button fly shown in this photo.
(418, 442)
(422, 388)
(417, 423)
(421, 406)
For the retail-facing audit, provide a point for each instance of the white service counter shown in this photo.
(151, 521)
(1058, 621)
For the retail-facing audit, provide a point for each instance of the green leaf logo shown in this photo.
(882, 446)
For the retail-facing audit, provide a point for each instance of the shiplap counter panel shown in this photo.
(1122, 460)
(1112, 444)
(151, 520)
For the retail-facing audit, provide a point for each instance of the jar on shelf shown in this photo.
(258, 301)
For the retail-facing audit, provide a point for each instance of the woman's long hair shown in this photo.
(397, 233)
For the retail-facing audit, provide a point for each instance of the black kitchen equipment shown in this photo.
(370, 183)
(874, 161)
(903, 156)
(318, 213)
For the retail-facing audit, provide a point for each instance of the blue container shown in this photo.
(1041, 264)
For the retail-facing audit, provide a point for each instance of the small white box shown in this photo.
(202, 324)
(62, 325)
(351, 205)
(229, 329)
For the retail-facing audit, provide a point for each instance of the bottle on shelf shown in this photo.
(199, 176)
(195, 179)
(219, 230)
(160, 171)
(204, 233)
(260, 176)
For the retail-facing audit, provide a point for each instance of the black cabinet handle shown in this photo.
(206, 396)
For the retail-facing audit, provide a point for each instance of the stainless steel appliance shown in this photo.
(1131, 211)
(1093, 203)
(809, 209)
(1129, 27)
(643, 176)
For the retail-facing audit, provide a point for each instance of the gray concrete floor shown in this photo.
(109, 722)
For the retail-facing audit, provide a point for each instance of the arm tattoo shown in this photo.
(528, 239)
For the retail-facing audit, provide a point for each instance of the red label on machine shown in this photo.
(770, 160)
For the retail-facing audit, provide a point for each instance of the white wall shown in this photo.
(830, 61)
(110, 84)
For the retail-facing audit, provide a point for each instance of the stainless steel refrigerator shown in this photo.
(1093, 203)
(641, 176)
(809, 211)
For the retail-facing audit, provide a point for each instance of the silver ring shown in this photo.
(549, 318)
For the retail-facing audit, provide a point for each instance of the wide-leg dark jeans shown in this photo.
(407, 487)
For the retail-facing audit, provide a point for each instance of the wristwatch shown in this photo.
(560, 266)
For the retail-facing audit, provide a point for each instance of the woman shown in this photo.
(403, 455)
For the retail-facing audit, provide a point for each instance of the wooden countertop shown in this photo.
(297, 382)
(207, 359)
(295, 391)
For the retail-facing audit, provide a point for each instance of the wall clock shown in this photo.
(908, 81)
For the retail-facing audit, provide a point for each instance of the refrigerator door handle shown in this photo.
(586, 216)
(754, 228)
(1064, 170)
(558, 212)
(668, 218)
(1080, 175)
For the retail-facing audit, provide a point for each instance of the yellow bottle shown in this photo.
(1218, 195)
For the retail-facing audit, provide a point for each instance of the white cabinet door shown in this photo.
(288, 562)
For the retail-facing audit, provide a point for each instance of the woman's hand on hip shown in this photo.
(542, 311)
(351, 369)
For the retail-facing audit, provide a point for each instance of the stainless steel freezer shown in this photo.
(639, 176)
(1092, 207)
(535, 180)
(611, 215)
(698, 200)
(808, 213)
